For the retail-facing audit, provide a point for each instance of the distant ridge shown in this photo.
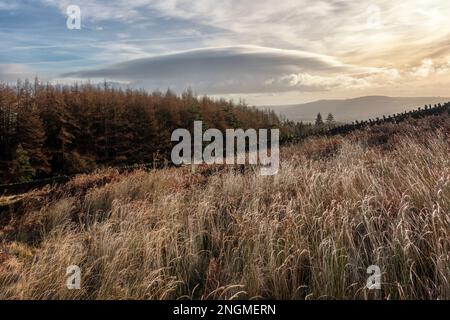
(361, 108)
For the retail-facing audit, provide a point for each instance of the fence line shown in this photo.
(419, 113)
(22, 187)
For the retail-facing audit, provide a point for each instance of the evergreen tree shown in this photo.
(330, 120)
(31, 133)
(8, 124)
(21, 169)
(319, 121)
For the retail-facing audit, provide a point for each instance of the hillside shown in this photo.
(380, 196)
(361, 108)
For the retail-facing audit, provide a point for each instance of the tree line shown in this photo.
(48, 130)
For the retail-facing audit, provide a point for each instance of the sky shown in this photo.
(267, 52)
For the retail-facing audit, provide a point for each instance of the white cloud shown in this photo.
(425, 69)
(8, 5)
(238, 69)
(100, 10)
(315, 82)
(429, 67)
(334, 45)
(332, 27)
(12, 72)
(311, 82)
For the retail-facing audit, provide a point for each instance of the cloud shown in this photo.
(430, 67)
(8, 6)
(369, 32)
(425, 69)
(333, 27)
(238, 69)
(311, 82)
(12, 72)
(100, 10)
(335, 46)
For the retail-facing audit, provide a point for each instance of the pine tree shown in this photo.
(30, 129)
(60, 128)
(319, 121)
(330, 120)
(8, 122)
(21, 169)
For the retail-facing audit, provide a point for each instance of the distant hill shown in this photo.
(361, 108)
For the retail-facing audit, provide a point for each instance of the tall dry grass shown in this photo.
(309, 232)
